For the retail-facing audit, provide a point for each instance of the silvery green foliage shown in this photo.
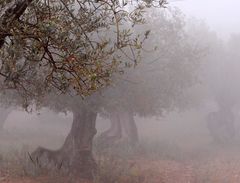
(69, 45)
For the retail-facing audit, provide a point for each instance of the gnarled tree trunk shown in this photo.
(75, 156)
(123, 129)
(115, 130)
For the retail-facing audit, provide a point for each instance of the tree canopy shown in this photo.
(168, 68)
(71, 45)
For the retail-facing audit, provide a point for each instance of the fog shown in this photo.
(221, 16)
(183, 97)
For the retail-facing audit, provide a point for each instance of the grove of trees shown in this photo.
(68, 47)
(90, 57)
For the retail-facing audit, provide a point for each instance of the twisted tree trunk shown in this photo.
(115, 130)
(123, 129)
(75, 156)
(129, 128)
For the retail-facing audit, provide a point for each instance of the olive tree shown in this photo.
(68, 47)
(224, 89)
(160, 81)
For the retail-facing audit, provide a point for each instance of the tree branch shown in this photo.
(11, 14)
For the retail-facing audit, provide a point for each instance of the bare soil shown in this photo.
(224, 167)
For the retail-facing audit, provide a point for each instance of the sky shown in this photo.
(223, 16)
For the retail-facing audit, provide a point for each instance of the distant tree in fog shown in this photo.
(159, 83)
(68, 46)
(220, 76)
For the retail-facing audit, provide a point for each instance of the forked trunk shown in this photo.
(75, 156)
(129, 127)
(114, 132)
(123, 129)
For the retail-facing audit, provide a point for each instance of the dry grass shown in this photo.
(150, 162)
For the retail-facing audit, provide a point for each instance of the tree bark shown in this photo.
(123, 129)
(75, 156)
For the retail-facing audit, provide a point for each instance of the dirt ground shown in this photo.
(222, 168)
(179, 150)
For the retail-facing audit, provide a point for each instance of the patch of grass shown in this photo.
(148, 162)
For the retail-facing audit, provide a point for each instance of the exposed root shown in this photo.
(81, 164)
(49, 160)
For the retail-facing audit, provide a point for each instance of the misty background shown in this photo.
(199, 93)
(183, 128)
(184, 97)
(221, 16)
